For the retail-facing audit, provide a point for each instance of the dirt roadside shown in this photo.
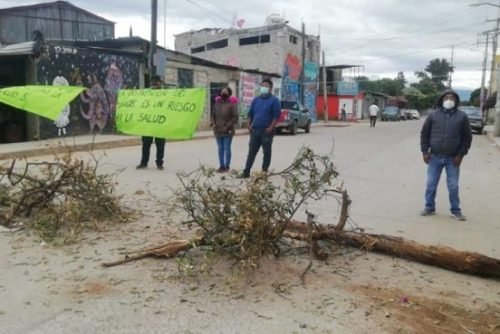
(352, 292)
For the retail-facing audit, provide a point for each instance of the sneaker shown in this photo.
(427, 212)
(160, 167)
(226, 169)
(141, 166)
(458, 216)
(221, 170)
(243, 175)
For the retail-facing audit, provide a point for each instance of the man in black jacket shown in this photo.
(445, 139)
(156, 83)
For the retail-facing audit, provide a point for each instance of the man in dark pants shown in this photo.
(262, 117)
(445, 139)
(147, 141)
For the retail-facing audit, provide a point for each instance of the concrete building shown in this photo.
(274, 48)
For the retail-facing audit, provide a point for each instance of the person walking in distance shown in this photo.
(343, 114)
(373, 110)
(263, 115)
(444, 140)
(224, 118)
(156, 83)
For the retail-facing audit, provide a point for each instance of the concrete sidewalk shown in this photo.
(489, 132)
(99, 142)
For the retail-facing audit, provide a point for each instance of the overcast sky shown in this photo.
(386, 36)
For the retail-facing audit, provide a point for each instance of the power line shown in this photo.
(209, 11)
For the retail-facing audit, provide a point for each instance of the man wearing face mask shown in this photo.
(262, 117)
(445, 139)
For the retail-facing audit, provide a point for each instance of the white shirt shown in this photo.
(373, 109)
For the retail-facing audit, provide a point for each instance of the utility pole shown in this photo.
(483, 77)
(152, 45)
(302, 72)
(494, 43)
(325, 95)
(451, 66)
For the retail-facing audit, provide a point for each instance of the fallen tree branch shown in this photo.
(439, 256)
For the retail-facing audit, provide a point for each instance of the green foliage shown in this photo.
(249, 217)
(475, 95)
(440, 70)
(58, 199)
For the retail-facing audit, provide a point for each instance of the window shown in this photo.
(184, 78)
(293, 39)
(255, 40)
(198, 49)
(217, 44)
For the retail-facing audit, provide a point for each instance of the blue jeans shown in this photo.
(224, 148)
(258, 138)
(434, 169)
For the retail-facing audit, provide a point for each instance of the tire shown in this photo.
(293, 128)
(308, 126)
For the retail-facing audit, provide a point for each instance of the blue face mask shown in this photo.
(264, 90)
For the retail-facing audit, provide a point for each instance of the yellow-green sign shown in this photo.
(46, 101)
(161, 113)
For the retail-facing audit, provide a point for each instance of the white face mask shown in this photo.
(264, 90)
(449, 104)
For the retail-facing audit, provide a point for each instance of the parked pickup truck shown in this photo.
(293, 116)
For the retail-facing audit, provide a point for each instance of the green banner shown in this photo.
(161, 113)
(46, 101)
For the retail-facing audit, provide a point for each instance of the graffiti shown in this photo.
(97, 106)
(292, 67)
(103, 74)
(114, 81)
(63, 120)
(248, 90)
(311, 71)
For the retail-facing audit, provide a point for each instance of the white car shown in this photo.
(415, 114)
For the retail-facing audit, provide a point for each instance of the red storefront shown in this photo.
(353, 105)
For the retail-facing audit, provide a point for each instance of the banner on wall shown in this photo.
(45, 101)
(161, 113)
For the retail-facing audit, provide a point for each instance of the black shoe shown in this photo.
(160, 167)
(243, 175)
(141, 166)
(221, 170)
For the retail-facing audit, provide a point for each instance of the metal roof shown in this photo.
(12, 10)
(19, 49)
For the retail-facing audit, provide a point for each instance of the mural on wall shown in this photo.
(311, 71)
(101, 72)
(63, 120)
(249, 83)
(290, 80)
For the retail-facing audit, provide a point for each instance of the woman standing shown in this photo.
(224, 119)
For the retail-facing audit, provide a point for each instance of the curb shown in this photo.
(495, 142)
(59, 148)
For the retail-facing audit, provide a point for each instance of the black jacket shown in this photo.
(446, 132)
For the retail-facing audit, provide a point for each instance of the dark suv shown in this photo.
(475, 118)
(391, 113)
(293, 116)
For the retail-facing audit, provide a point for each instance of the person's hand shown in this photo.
(269, 130)
(427, 157)
(457, 161)
(249, 127)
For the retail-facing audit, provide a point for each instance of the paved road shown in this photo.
(46, 290)
(383, 172)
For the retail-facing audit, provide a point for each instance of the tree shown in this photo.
(474, 97)
(440, 70)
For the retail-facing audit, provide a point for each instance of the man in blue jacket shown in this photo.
(264, 113)
(444, 140)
